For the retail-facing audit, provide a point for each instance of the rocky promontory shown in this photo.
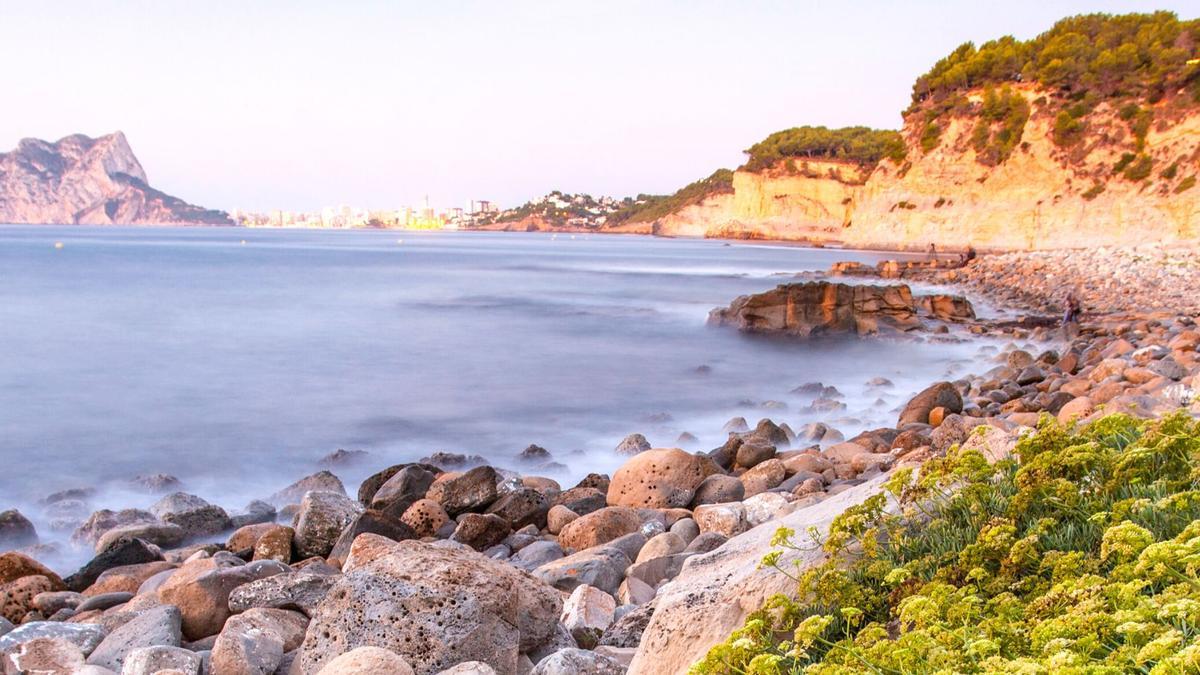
(79, 180)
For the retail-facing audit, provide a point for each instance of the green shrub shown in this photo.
(1067, 129)
(1139, 169)
(1079, 555)
(1185, 184)
(648, 208)
(1126, 160)
(1093, 192)
(1170, 172)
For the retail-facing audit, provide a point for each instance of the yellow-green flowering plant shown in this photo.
(1081, 555)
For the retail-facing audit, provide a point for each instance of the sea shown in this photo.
(236, 359)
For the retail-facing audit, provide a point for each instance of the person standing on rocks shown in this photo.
(1074, 308)
(932, 252)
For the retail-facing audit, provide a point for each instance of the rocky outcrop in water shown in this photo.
(88, 181)
(821, 308)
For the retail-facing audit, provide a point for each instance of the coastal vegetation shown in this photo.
(1080, 554)
(646, 208)
(861, 145)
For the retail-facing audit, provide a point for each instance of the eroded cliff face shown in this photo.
(93, 181)
(1041, 197)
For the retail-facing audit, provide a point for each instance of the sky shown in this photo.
(299, 105)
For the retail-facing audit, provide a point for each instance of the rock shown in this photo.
(995, 444)
(43, 655)
(470, 491)
(633, 444)
(559, 517)
(155, 483)
(17, 597)
(767, 432)
(85, 636)
(587, 613)
(660, 545)
(715, 592)
(299, 590)
(687, 439)
(15, 530)
(582, 500)
(1076, 408)
(634, 591)
(602, 567)
(943, 394)
(254, 642)
(275, 544)
(944, 307)
(425, 517)
(686, 529)
(401, 491)
(751, 454)
(659, 478)
(255, 512)
(763, 507)
(120, 553)
(375, 522)
(627, 630)
(537, 554)
(1169, 368)
(821, 307)
(599, 528)
(657, 570)
(197, 517)
(151, 660)
(368, 660)
(51, 601)
(763, 477)
(728, 519)
(460, 607)
(322, 517)
(164, 535)
(480, 531)
(245, 537)
(158, 626)
(201, 590)
(322, 481)
(521, 507)
(104, 520)
(104, 601)
(577, 662)
(343, 457)
(470, 668)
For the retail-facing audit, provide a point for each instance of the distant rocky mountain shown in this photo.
(88, 181)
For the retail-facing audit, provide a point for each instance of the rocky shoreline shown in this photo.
(449, 565)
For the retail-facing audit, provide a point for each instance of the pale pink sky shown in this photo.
(298, 105)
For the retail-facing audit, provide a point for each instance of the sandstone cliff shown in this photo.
(92, 181)
(1041, 197)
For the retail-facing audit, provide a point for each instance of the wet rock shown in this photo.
(163, 535)
(687, 439)
(767, 432)
(736, 425)
(599, 528)
(453, 460)
(322, 517)
(255, 512)
(375, 522)
(586, 613)
(598, 481)
(343, 458)
(104, 520)
(534, 453)
(461, 607)
(470, 491)
(15, 530)
(480, 531)
(821, 307)
(367, 659)
(122, 552)
(158, 626)
(945, 307)
(197, 517)
(660, 478)
(299, 590)
(322, 481)
(632, 445)
(151, 660)
(602, 567)
(940, 394)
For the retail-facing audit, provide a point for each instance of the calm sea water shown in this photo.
(234, 359)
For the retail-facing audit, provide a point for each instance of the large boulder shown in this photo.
(15, 530)
(301, 590)
(43, 655)
(322, 517)
(938, 395)
(821, 307)
(660, 478)
(946, 307)
(323, 481)
(86, 636)
(375, 522)
(253, 643)
(14, 565)
(150, 660)
(602, 567)
(201, 589)
(521, 507)
(575, 661)
(365, 660)
(714, 592)
(402, 490)
(124, 551)
(434, 605)
(90, 531)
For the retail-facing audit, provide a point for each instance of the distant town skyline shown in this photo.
(297, 106)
